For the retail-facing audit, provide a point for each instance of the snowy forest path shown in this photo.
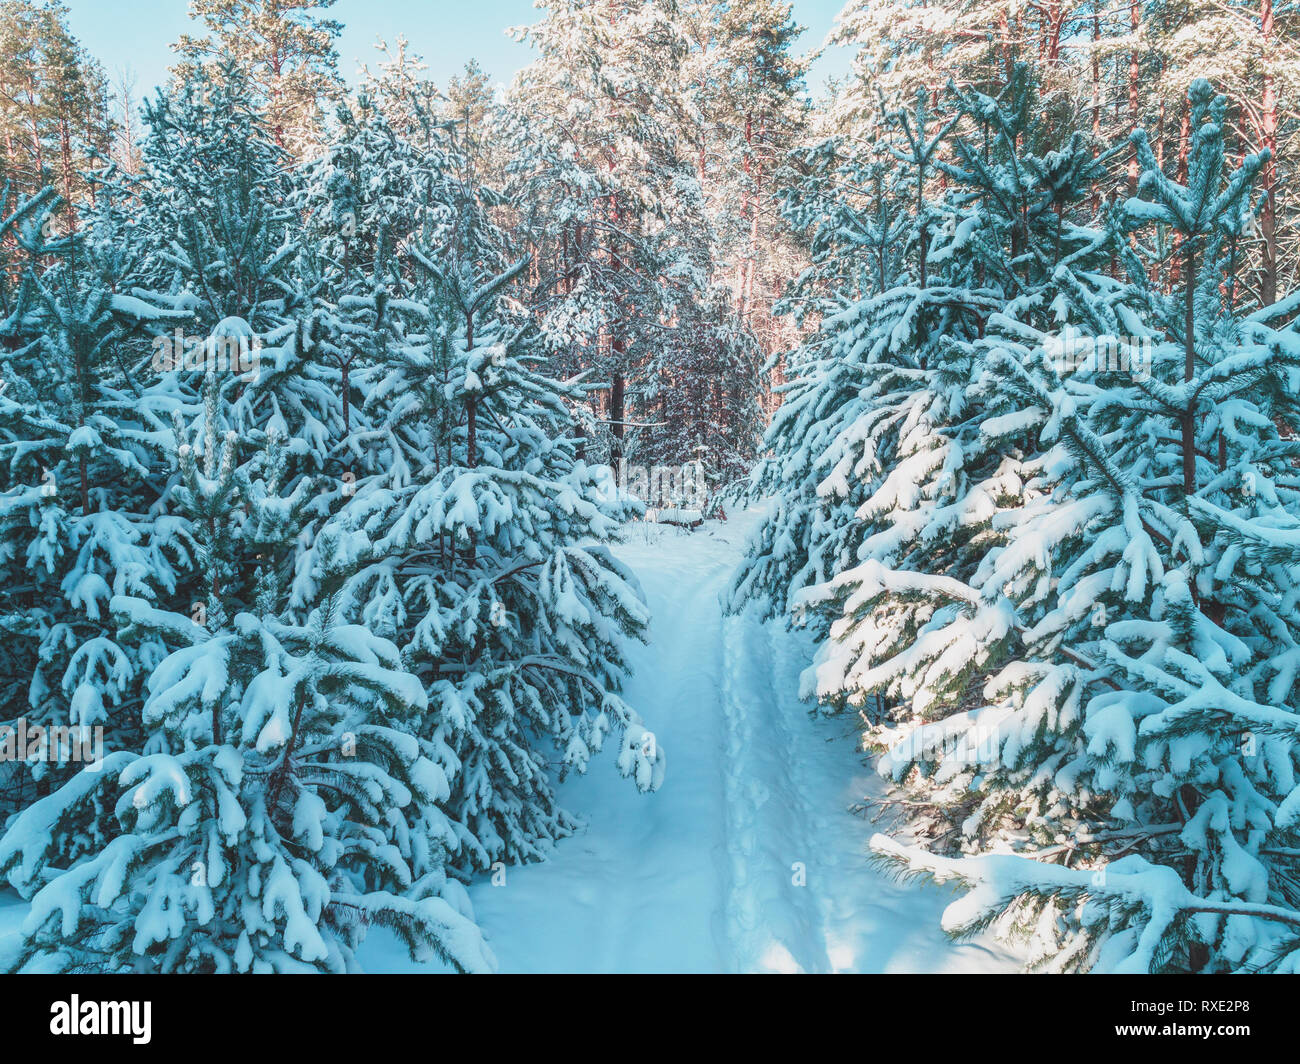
(747, 858)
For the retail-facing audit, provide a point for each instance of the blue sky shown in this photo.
(135, 34)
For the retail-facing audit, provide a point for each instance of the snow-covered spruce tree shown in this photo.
(213, 195)
(27, 227)
(26, 231)
(264, 824)
(1126, 770)
(370, 193)
(197, 241)
(340, 803)
(478, 547)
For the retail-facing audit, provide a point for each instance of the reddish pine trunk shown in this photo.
(1268, 121)
(1008, 55)
(618, 348)
(617, 402)
(1134, 13)
(35, 128)
(751, 265)
(746, 209)
(1056, 20)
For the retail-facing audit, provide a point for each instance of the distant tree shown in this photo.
(286, 49)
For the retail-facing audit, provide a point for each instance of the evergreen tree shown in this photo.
(1081, 669)
(254, 831)
(472, 532)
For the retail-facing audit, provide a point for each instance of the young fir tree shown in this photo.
(220, 226)
(1011, 223)
(278, 798)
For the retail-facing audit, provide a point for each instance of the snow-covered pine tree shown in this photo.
(511, 613)
(745, 88)
(1140, 702)
(197, 562)
(873, 399)
(702, 393)
(613, 207)
(219, 224)
(366, 197)
(482, 539)
(1012, 227)
(260, 827)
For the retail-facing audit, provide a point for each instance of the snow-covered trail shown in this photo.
(747, 859)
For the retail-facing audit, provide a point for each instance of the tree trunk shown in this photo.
(1189, 370)
(617, 405)
(1268, 122)
(65, 159)
(471, 405)
(1134, 14)
(1095, 198)
(1180, 175)
(347, 404)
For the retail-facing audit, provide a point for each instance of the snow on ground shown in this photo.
(747, 859)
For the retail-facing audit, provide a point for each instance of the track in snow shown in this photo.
(747, 858)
